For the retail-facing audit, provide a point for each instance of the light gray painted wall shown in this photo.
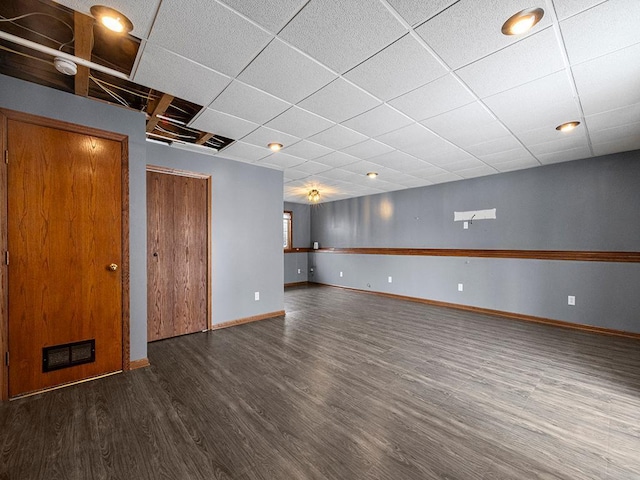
(294, 262)
(247, 252)
(584, 205)
(247, 206)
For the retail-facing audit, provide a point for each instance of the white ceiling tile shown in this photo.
(467, 125)
(546, 101)
(170, 73)
(338, 137)
(400, 161)
(187, 28)
(534, 57)
(209, 120)
(307, 150)
(286, 73)
(292, 174)
(516, 165)
(281, 161)
(468, 164)
(561, 156)
(494, 146)
(568, 8)
(336, 159)
(614, 118)
(263, 136)
(271, 14)
(399, 68)
(249, 103)
(417, 11)
(477, 172)
(141, 14)
(428, 172)
(339, 101)
(609, 82)
(342, 34)
(362, 168)
(616, 133)
(367, 149)
(563, 143)
(439, 96)
(605, 28)
(517, 154)
(300, 123)
(338, 174)
(437, 152)
(407, 136)
(312, 168)
(444, 178)
(244, 152)
(471, 29)
(623, 144)
(547, 133)
(377, 121)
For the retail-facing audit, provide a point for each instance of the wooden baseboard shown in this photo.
(499, 313)
(140, 363)
(241, 321)
(295, 284)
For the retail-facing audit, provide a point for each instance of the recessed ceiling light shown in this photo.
(522, 21)
(567, 127)
(372, 174)
(275, 146)
(112, 19)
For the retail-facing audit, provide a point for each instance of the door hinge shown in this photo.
(6, 257)
(6, 157)
(6, 359)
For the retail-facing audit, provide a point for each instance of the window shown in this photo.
(286, 231)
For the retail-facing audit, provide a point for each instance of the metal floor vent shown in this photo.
(68, 355)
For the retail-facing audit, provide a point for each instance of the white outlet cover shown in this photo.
(257, 296)
(299, 271)
(460, 287)
(465, 225)
(340, 273)
(571, 300)
(390, 279)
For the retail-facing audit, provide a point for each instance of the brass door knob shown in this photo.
(113, 267)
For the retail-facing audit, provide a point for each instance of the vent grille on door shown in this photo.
(68, 355)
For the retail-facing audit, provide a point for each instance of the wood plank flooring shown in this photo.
(346, 386)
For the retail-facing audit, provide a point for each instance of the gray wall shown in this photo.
(296, 268)
(247, 207)
(583, 205)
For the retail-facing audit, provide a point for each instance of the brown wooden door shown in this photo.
(177, 246)
(64, 230)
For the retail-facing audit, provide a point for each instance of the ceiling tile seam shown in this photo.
(153, 22)
(597, 4)
(565, 59)
(293, 16)
(138, 59)
(453, 73)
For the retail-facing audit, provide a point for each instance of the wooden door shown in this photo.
(177, 247)
(65, 228)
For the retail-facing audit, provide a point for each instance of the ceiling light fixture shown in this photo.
(275, 147)
(314, 196)
(112, 19)
(372, 174)
(522, 21)
(567, 127)
(65, 66)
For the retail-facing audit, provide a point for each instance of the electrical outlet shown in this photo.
(341, 274)
(390, 279)
(571, 300)
(299, 271)
(460, 287)
(465, 225)
(257, 296)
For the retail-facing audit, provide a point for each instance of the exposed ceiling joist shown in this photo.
(203, 138)
(160, 109)
(83, 31)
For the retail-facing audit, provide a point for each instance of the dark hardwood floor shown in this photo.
(346, 386)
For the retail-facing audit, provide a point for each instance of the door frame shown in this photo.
(5, 116)
(201, 176)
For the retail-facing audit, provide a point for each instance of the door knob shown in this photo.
(113, 267)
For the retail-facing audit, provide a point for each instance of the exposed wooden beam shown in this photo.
(202, 139)
(159, 109)
(83, 31)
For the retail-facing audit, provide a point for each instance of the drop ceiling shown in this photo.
(420, 92)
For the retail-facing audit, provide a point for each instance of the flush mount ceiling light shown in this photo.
(112, 19)
(372, 174)
(567, 127)
(314, 196)
(275, 146)
(522, 21)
